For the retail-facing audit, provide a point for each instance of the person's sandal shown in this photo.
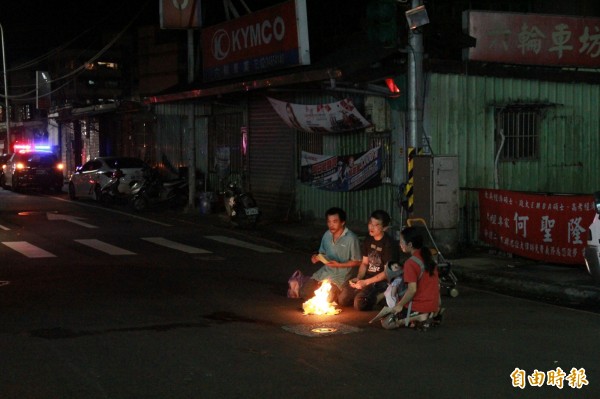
(438, 318)
(423, 325)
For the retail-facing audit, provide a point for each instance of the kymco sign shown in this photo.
(273, 38)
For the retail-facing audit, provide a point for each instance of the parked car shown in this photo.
(592, 250)
(89, 178)
(3, 159)
(33, 169)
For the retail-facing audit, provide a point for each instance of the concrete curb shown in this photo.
(561, 293)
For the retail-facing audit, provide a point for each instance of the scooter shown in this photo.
(153, 191)
(116, 190)
(240, 206)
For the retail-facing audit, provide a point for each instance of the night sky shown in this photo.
(32, 28)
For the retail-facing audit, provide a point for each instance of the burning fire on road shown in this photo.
(319, 305)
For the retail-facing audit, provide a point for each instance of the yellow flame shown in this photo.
(319, 304)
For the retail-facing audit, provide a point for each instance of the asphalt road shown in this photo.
(100, 303)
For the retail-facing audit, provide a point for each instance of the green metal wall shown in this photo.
(459, 117)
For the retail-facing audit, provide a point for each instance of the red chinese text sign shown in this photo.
(550, 228)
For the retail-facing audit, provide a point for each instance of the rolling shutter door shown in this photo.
(272, 158)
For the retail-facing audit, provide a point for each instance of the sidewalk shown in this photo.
(568, 285)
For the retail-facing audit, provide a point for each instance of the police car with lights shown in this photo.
(33, 167)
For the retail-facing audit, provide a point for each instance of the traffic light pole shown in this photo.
(415, 84)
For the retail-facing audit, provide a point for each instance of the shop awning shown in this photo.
(247, 85)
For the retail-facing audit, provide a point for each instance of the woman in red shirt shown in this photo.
(422, 296)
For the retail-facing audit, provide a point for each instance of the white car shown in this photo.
(90, 177)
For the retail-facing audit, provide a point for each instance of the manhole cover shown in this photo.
(323, 329)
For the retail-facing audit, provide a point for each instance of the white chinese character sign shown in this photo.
(533, 39)
(550, 228)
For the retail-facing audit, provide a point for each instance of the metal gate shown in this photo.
(225, 156)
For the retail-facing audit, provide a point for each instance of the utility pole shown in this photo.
(415, 83)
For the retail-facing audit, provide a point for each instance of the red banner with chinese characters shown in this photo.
(534, 39)
(550, 228)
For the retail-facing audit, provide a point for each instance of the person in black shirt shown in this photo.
(377, 249)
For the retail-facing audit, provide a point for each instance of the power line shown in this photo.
(82, 68)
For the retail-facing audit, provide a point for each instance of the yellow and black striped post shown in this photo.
(410, 193)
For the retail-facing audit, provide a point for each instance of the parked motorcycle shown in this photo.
(240, 206)
(116, 190)
(153, 191)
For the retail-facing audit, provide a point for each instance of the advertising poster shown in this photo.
(342, 173)
(549, 228)
(340, 116)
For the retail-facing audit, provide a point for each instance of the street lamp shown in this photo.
(6, 112)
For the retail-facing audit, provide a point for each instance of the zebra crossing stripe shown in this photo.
(105, 247)
(175, 245)
(4, 228)
(27, 249)
(243, 244)
(31, 251)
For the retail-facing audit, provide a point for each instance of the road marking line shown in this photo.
(72, 219)
(4, 227)
(243, 244)
(80, 203)
(27, 249)
(105, 247)
(175, 245)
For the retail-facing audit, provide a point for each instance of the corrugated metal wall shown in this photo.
(459, 117)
